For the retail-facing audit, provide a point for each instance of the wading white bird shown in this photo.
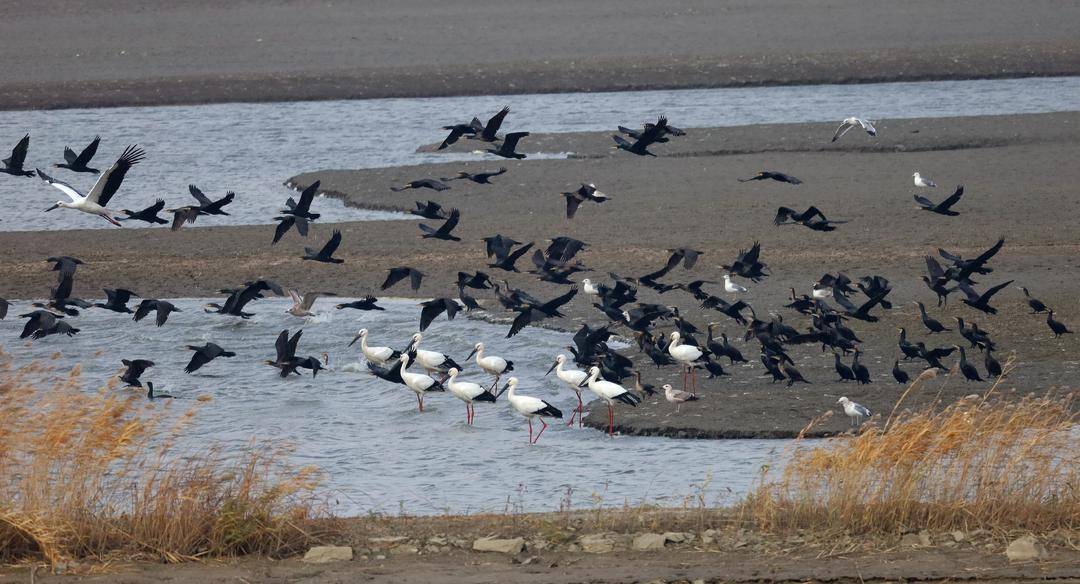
(572, 378)
(418, 382)
(852, 122)
(431, 361)
(95, 203)
(377, 355)
(469, 393)
(677, 397)
(854, 411)
(610, 393)
(731, 287)
(922, 181)
(686, 355)
(530, 407)
(490, 363)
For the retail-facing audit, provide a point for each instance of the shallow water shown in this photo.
(252, 148)
(379, 453)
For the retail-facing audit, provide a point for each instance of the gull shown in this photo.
(677, 397)
(530, 407)
(377, 355)
(302, 304)
(854, 411)
(923, 182)
(732, 287)
(13, 165)
(852, 122)
(77, 162)
(589, 288)
(204, 355)
(95, 203)
(469, 393)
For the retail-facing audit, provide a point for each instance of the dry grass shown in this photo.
(93, 474)
(996, 462)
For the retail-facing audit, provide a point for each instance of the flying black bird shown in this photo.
(66, 265)
(434, 307)
(489, 132)
(456, 132)
(1056, 326)
(505, 260)
(13, 164)
(204, 355)
(686, 255)
(186, 214)
(400, 273)
(532, 313)
(285, 223)
(509, 144)
(747, 264)
(149, 214)
(43, 323)
(424, 183)
(587, 192)
(4, 305)
(444, 230)
(325, 254)
(116, 300)
(163, 309)
(239, 298)
(208, 207)
(639, 147)
(773, 175)
(303, 207)
(478, 280)
(135, 369)
(981, 302)
(429, 210)
(812, 218)
(944, 207)
(657, 132)
(483, 178)
(77, 163)
(285, 359)
(365, 303)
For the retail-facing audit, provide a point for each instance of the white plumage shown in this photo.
(490, 363)
(431, 361)
(573, 378)
(377, 355)
(731, 287)
(922, 181)
(530, 407)
(418, 382)
(467, 392)
(853, 122)
(685, 354)
(610, 393)
(854, 411)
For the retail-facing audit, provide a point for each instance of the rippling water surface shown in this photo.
(252, 148)
(379, 453)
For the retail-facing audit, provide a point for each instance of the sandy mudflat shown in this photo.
(1019, 172)
(122, 52)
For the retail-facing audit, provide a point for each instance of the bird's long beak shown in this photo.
(51, 208)
(473, 352)
(354, 339)
(503, 390)
(552, 368)
(585, 382)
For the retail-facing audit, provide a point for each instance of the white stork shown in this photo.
(95, 203)
(530, 407)
(572, 378)
(469, 393)
(610, 393)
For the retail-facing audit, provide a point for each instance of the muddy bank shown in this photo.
(1018, 171)
(119, 52)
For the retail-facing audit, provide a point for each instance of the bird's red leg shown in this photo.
(530, 431)
(541, 430)
(610, 420)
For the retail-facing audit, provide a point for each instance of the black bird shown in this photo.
(639, 147)
(478, 280)
(507, 149)
(188, 214)
(811, 217)
(1057, 327)
(772, 366)
(135, 369)
(792, 374)
(208, 207)
(43, 323)
(365, 303)
(937, 281)
(993, 368)
(429, 210)
(969, 371)
(899, 374)
(469, 301)
(285, 223)
(444, 230)
(773, 175)
(285, 359)
(483, 178)
(932, 325)
(391, 374)
(505, 261)
(399, 273)
(862, 374)
(587, 192)
(498, 245)
(204, 355)
(657, 132)
(325, 254)
(489, 132)
(944, 207)
(4, 305)
(66, 265)
(748, 265)
(686, 255)
(862, 312)
(981, 302)
(13, 164)
(149, 214)
(239, 298)
(436, 306)
(963, 269)
(163, 309)
(116, 300)
(531, 313)
(152, 395)
(845, 372)
(456, 132)
(77, 163)
(1036, 305)
(424, 183)
(302, 208)
(976, 337)
(933, 356)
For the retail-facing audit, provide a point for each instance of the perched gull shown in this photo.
(921, 181)
(732, 287)
(677, 397)
(850, 123)
(854, 411)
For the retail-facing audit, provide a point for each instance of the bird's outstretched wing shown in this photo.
(65, 188)
(18, 153)
(110, 180)
(952, 200)
(306, 197)
(455, 133)
(924, 202)
(494, 123)
(69, 155)
(199, 195)
(986, 296)
(511, 140)
(87, 154)
(285, 223)
(843, 129)
(331, 245)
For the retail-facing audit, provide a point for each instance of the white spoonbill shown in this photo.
(103, 190)
(469, 393)
(922, 181)
(854, 411)
(530, 407)
(377, 355)
(490, 363)
(573, 378)
(431, 361)
(418, 382)
(678, 397)
(610, 393)
(731, 287)
(686, 355)
(853, 122)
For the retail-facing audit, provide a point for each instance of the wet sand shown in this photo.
(1020, 177)
(121, 52)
